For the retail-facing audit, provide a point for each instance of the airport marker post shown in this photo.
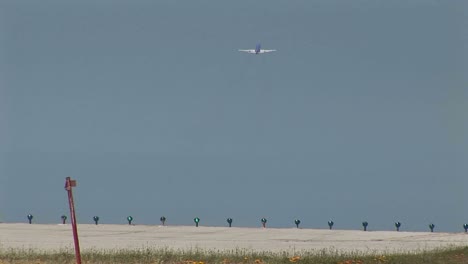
(365, 224)
(30, 217)
(69, 183)
(297, 222)
(397, 225)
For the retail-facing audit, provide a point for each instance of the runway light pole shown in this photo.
(129, 219)
(365, 224)
(64, 219)
(196, 220)
(263, 220)
(30, 217)
(229, 220)
(96, 219)
(397, 225)
(69, 184)
(163, 220)
(330, 224)
(297, 222)
(431, 226)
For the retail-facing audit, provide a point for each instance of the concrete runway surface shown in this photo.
(104, 237)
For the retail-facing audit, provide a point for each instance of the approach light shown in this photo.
(397, 225)
(196, 220)
(297, 222)
(96, 219)
(64, 218)
(431, 226)
(365, 224)
(229, 220)
(30, 217)
(465, 226)
(263, 220)
(330, 224)
(129, 219)
(163, 220)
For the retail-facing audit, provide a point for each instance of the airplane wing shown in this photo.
(248, 51)
(266, 51)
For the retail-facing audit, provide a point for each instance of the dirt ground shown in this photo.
(97, 237)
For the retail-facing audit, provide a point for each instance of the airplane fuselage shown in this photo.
(257, 49)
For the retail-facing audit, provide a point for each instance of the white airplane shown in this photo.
(257, 50)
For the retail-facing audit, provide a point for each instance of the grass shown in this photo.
(195, 256)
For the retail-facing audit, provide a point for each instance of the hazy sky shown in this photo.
(361, 114)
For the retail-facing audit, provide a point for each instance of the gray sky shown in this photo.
(359, 115)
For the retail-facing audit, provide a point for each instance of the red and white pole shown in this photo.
(69, 183)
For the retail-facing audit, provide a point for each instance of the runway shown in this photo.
(55, 237)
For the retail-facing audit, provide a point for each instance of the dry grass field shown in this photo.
(24, 243)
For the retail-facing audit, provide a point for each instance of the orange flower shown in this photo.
(294, 259)
(381, 259)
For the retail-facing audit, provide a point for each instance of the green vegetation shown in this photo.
(195, 256)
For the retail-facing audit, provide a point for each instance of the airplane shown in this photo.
(257, 50)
